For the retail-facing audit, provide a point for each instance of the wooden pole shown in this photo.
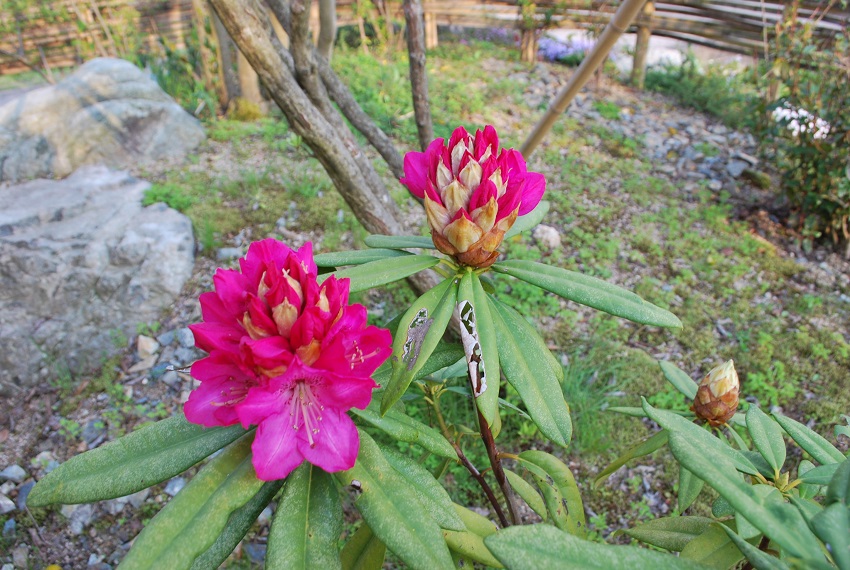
(418, 73)
(431, 40)
(327, 28)
(642, 47)
(615, 28)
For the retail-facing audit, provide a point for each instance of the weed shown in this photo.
(608, 109)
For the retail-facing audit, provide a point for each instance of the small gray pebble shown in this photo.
(9, 528)
(185, 337)
(175, 486)
(14, 473)
(23, 493)
(165, 338)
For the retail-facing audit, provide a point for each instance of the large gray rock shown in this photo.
(81, 259)
(107, 112)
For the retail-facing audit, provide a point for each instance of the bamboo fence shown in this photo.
(742, 26)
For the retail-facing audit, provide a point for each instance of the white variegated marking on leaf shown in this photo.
(416, 332)
(472, 347)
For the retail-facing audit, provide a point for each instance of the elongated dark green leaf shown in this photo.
(355, 257)
(524, 489)
(383, 271)
(392, 512)
(832, 526)
(713, 548)
(589, 291)
(419, 331)
(147, 456)
(238, 525)
(702, 453)
(670, 533)
(647, 446)
(839, 486)
(530, 220)
(819, 475)
(363, 551)
(479, 343)
(810, 490)
(399, 242)
(812, 443)
(470, 546)
(689, 488)
(637, 412)
(807, 507)
(542, 547)
(475, 522)
(404, 428)
(767, 437)
(192, 521)
(563, 478)
(759, 462)
(307, 523)
(525, 363)
(680, 381)
(446, 354)
(760, 560)
(433, 496)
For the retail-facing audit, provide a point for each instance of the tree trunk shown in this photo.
(418, 73)
(528, 46)
(227, 59)
(327, 28)
(249, 27)
(431, 40)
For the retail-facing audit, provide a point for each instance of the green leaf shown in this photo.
(192, 521)
(363, 551)
(563, 478)
(552, 496)
(392, 512)
(767, 437)
(689, 488)
(479, 342)
(839, 487)
(832, 526)
(355, 257)
(713, 549)
(637, 412)
(525, 362)
(807, 507)
(383, 271)
(717, 463)
(721, 508)
(589, 291)
(470, 546)
(433, 496)
(843, 429)
(820, 449)
(680, 381)
(759, 462)
(147, 456)
(404, 428)
(307, 523)
(768, 494)
(419, 331)
(474, 522)
(760, 560)
(542, 547)
(399, 242)
(530, 220)
(524, 489)
(647, 446)
(445, 355)
(237, 527)
(819, 475)
(670, 533)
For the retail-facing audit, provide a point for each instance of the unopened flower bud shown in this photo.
(717, 396)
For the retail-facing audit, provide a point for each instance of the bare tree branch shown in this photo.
(327, 28)
(418, 75)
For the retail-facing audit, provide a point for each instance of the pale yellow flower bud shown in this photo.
(717, 396)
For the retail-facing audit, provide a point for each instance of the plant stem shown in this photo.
(488, 491)
(496, 464)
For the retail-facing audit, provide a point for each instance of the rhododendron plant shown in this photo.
(287, 355)
(289, 359)
(473, 192)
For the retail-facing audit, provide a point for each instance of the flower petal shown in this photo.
(275, 448)
(336, 443)
(535, 186)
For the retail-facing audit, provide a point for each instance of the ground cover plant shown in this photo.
(620, 220)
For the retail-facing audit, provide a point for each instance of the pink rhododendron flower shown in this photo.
(287, 355)
(473, 192)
